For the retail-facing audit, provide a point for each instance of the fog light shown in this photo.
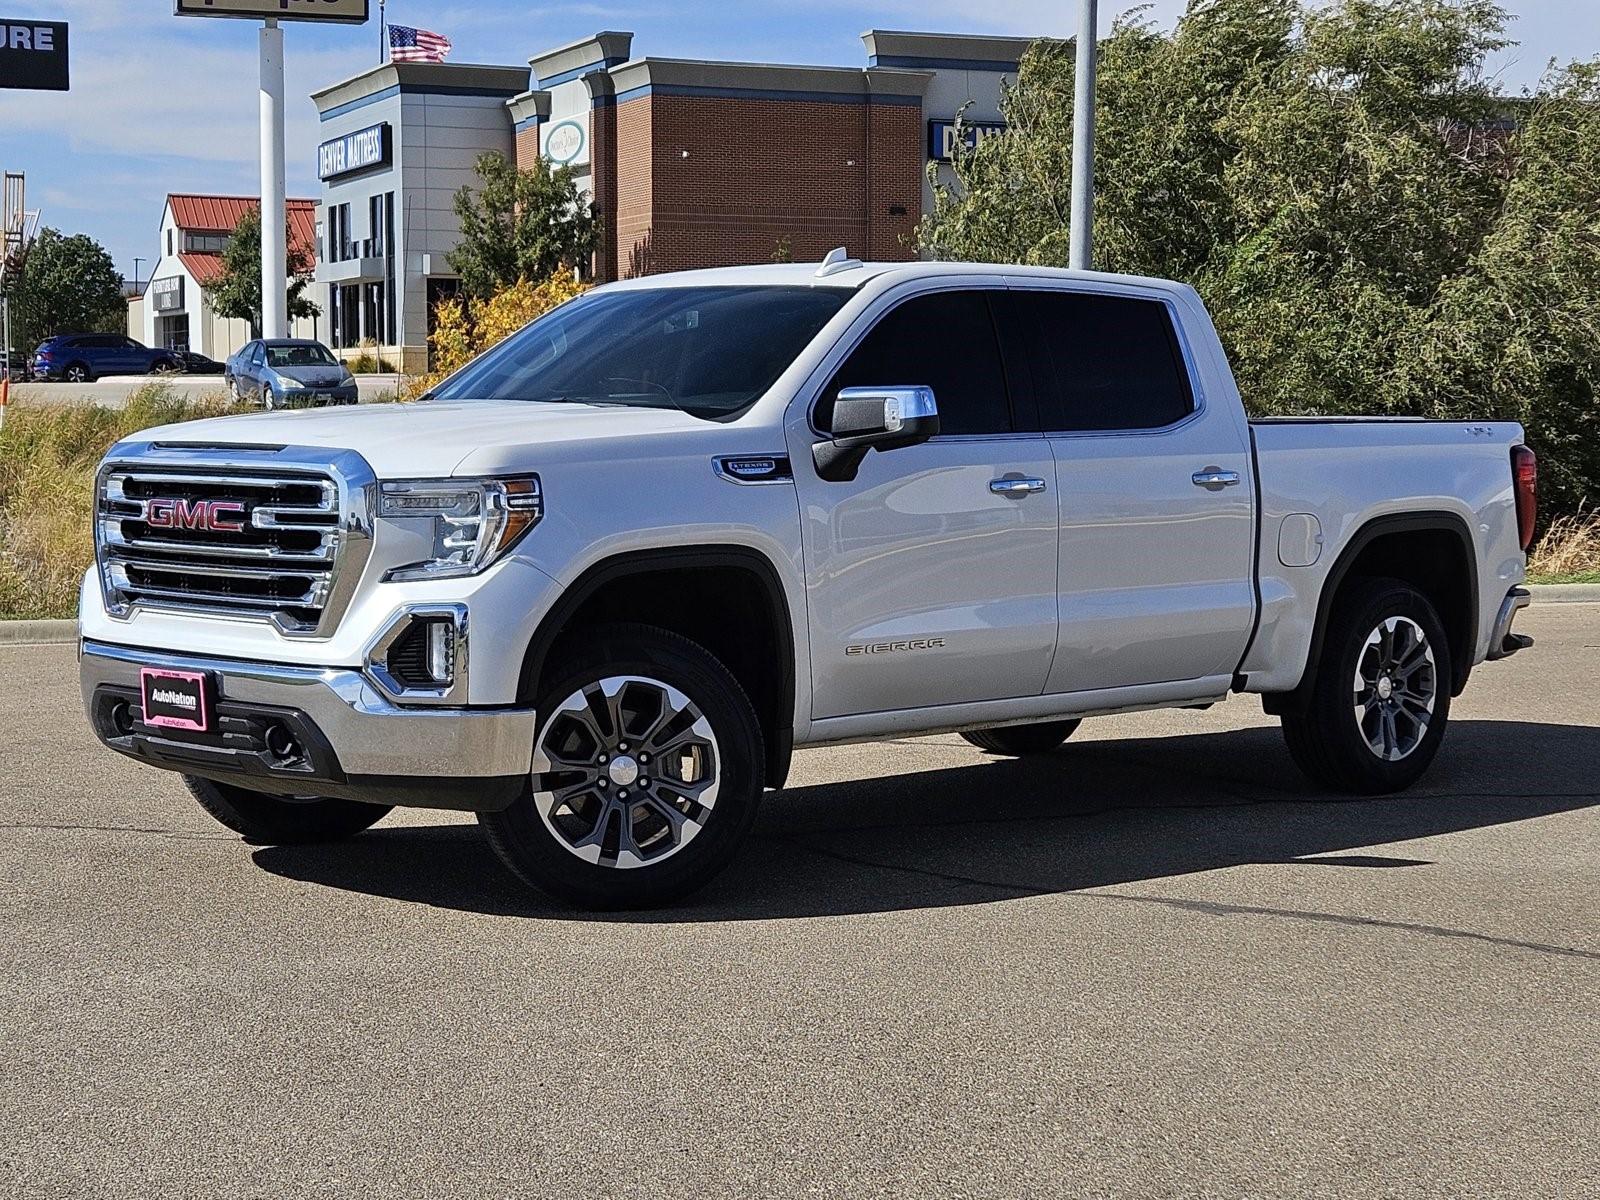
(441, 661)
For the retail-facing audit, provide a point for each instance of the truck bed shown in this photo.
(1321, 479)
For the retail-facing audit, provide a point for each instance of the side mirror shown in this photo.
(874, 418)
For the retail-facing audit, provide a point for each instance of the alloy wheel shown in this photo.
(626, 772)
(1396, 687)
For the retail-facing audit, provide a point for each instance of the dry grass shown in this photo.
(1569, 552)
(48, 454)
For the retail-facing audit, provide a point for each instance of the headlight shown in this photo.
(473, 522)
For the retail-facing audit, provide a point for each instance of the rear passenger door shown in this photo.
(930, 577)
(1155, 492)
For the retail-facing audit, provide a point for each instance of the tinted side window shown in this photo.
(1104, 362)
(944, 341)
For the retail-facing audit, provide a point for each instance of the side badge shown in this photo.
(755, 468)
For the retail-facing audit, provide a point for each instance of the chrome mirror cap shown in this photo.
(874, 418)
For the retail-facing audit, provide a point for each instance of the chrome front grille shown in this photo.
(231, 536)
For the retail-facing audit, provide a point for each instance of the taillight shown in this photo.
(1525, 480)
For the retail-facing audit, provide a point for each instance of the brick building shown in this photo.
(689, 163)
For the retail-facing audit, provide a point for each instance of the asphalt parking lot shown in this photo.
(1151, 965)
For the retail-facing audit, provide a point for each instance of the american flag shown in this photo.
(416, 45)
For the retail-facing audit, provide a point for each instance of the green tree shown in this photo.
(236, 293)
(521, 226)
(69, 285)
(1374, 229)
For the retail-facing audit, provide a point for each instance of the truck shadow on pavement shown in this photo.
(1094, 813)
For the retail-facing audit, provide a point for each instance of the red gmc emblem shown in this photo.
(214, 516)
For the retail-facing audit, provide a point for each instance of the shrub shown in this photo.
(1569, 550)
(465, 327)
(48, 455)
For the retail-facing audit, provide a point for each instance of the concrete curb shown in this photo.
(1565, 593)
(37, 633)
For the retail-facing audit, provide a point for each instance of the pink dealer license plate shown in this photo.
(176, 699)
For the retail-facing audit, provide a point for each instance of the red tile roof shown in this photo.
(221, 214)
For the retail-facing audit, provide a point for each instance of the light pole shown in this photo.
(1082, 245)
(274, 203)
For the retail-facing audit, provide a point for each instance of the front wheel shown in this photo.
(1380, 701)
(647, 772)
(1020, 741)
(283, 821)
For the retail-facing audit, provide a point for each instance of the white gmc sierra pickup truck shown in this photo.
(599, 584)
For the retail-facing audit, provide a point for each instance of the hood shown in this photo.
(315, 375)
(433, 438)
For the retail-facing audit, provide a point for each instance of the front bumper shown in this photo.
(349, 740)
(319, 397)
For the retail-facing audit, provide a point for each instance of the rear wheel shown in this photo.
(1380, 702)
(1019, 741)
(78, 373)
(282, 820)
(647, 772)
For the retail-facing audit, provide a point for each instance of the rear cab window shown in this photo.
(1102, 363)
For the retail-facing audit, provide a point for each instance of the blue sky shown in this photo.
(165, 104)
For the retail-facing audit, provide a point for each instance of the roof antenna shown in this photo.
(838, 259)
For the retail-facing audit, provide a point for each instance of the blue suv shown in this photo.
(84, 357)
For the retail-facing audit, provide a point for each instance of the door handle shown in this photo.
(1214, 479)
(1016, 488)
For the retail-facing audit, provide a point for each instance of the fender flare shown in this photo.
(1438, 521)
(780, 747)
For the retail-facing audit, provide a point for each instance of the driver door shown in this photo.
(931, 576)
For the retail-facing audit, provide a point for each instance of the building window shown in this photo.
(374, 244)
(169, 243)
(339, 245)
(345, 318)
(390, 283)
(204, 243)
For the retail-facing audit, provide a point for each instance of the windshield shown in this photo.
(299, 356)
(710, 351)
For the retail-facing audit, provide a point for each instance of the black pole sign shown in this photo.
(33, 55)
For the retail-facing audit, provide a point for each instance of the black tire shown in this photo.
(1327, 740)
(1019, 741)
(165, 366)
(84, 374)
(259, 817)
(540, 857)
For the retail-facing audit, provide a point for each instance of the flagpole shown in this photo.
(383, 35)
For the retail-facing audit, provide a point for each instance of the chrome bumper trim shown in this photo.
(369, 734)
(1502, 642)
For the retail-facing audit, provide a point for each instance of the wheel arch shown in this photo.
(764, 664)
(1429, 550)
